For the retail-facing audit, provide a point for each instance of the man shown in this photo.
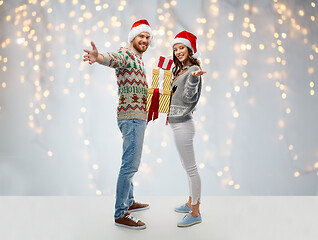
(131, 114)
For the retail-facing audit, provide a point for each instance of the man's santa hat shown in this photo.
(188, 39)
(139, 27)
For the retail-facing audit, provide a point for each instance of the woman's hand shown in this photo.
(198, 73)
(92, 55)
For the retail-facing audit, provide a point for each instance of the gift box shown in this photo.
(165, 63)
(158, 99)
(164, 95)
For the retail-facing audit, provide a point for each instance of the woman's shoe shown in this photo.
(183, 209)
(188, 220)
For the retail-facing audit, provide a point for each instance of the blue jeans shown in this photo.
(133, 131)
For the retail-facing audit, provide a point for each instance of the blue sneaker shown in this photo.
(183, 208)
(189, 220)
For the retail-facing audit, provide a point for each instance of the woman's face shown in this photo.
(181, 52)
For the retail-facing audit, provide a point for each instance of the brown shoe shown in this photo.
(130, 221)
(138, 207)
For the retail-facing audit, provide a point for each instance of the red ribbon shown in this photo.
(161, 61)
(154, 107)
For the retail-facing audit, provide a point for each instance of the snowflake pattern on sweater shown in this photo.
(131, 81)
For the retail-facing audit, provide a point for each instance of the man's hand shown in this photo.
(198, 73)
(93, 55)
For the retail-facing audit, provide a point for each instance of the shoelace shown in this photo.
(131, 217)
(186, 217)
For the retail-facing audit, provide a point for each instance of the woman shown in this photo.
(186, 89)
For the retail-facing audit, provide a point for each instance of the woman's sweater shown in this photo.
(185, 97)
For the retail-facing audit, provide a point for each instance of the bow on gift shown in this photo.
(165, 63)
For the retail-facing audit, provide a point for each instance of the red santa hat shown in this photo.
(139, 27)
(188, 39)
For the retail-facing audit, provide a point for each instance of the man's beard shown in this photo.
(138, 48)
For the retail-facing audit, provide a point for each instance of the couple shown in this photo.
(132, 115)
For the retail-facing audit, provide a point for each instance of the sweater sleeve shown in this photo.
(115, 59)
(190, 91)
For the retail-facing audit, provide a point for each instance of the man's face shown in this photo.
(141, 42)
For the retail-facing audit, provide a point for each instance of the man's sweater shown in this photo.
(131, 81)
(185, 97)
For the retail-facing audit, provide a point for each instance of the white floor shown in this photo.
(224, 218)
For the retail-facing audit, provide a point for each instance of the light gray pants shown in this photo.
(183, 136)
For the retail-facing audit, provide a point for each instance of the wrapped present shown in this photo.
(165, 63)
(159, 94)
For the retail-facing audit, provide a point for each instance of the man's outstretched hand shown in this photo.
(92, 55)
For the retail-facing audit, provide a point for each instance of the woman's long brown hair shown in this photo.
(178, 65)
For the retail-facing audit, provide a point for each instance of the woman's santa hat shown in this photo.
(139, 27)
(188, 39)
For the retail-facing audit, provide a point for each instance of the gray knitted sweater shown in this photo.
(185, 97)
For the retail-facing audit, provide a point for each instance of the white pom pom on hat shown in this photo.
(188, 39)
(138, 27)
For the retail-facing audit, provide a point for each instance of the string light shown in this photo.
(25, 17)
(282, 10)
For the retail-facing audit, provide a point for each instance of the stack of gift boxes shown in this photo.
(159, 94)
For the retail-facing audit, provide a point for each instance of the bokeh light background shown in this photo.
(256, 122)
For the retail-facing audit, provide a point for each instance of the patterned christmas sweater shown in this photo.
(131, 81)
